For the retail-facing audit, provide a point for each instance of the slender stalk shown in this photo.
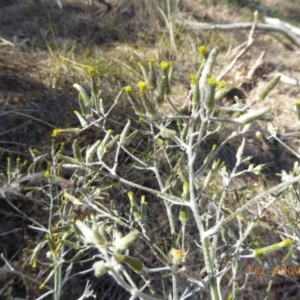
(194, 207)
(275, 189)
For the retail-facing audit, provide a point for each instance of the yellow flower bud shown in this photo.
(262, 252)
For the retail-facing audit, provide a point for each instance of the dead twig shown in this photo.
(241, 53)
(258, 63)
(274, 21)
(288, 80)
(265, 27)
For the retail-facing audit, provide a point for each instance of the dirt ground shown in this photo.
(44, 50)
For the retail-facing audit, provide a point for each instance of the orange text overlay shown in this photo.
(260, 271)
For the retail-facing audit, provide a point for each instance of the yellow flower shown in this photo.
(164, 65)
(128, 89)
(177, 256)
(204, 51)
(151, 61)
(91, 71)
(285, 209)
(222, 84)
(56, 132)
(193, 79)
(142, 86)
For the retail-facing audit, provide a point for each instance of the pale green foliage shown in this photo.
(211, 224)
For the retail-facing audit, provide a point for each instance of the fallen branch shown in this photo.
(267, 27)
(288, 26)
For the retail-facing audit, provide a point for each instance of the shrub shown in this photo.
(159, 207)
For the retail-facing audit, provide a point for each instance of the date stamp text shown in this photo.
(261, 271)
